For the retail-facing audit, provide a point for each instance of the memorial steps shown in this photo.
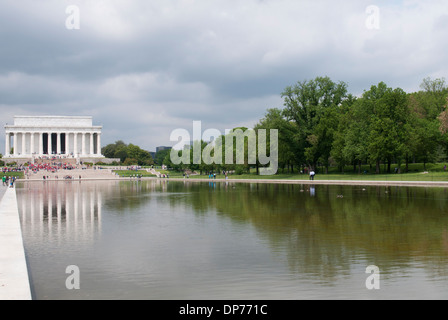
(75, 174)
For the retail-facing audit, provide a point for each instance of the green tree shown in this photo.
(287, 132)
(109, 150)
(121, 150)
(143, 157)
(389, 116)
(307, 103)
(161, 155)
(339, 146)
(356, 136)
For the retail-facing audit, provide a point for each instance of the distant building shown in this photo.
(163, 148)
(53, 136)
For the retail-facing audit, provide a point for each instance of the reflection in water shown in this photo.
(312, 191)
(161, 239)
(61, 210)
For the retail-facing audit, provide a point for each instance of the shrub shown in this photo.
(239, 170)
(130, 162)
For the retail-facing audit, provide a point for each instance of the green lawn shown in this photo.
(130, 173)
(19, 175)
(416, 172)
(413, 176)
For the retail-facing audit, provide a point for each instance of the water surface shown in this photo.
(193, 240)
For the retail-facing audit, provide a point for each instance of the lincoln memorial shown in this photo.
(53, 136)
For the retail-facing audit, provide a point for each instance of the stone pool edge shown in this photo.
(14, 277)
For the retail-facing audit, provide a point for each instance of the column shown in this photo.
(59, 210)
(8, 144)
(58, 143)
(50, 213)
(67, 141)
(75, 144)
(23, 152)
(99, 204)
(98, 144)
(76, 202)
(41, 143)
(68, 207)
(41, 213)
(91, 144)
(83, 147)
(32, 143)
(15, 143)
(32, 210)
(49, 151)
(92, 211)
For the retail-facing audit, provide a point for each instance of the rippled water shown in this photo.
(185, 240)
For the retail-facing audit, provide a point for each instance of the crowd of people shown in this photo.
(8, 178)
(8, 181)
(55, 157)
(49, 167)
(9, 169)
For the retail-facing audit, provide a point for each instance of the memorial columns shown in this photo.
(98, 143)
(91, 143)
(75, 144)
(49, 149)
(23, 151)
(32, 143)
(67, 142)
(58, 143)
(8, 144)
(15, 143)
(41, 143)
(54, 137)
(83, 146)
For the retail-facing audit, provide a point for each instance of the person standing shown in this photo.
(312, 174)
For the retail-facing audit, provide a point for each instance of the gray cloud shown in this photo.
(145, 68)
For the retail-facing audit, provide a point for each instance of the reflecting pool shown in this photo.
(159, 239)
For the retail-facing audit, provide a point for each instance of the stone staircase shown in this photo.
(90, 173)
(153, 171)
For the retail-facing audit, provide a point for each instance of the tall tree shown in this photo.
(287, 132)
(306, 103)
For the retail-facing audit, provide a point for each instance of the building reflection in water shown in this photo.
(62, 210)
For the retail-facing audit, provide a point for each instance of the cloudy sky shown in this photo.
(143, 68)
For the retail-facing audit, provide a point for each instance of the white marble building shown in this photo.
(48, 136)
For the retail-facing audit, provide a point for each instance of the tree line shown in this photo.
(322, 125)
(129, 154)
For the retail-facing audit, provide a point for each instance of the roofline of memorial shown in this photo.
(12, 126)
(73, 117)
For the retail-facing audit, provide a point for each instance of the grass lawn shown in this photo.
(416, 172)
(411, 176)
(130, 173)
(436, 176)
(19, 175)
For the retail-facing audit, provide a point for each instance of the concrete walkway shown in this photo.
(14, 281)
(2, 191)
